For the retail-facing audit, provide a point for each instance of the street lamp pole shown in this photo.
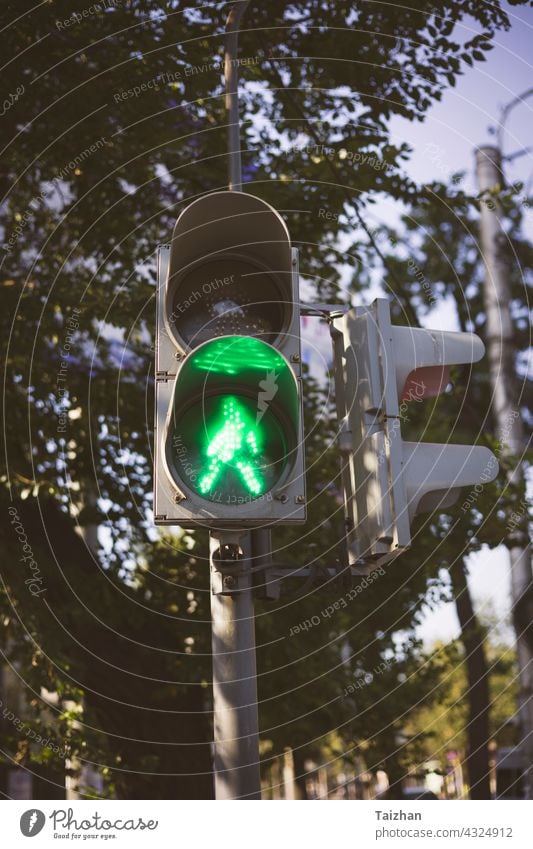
(501, 351)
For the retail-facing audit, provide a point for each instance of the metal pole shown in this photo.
(500, 349)
(231, 76)
(77, 776)
(235, 715)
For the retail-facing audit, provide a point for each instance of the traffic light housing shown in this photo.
(388, 481)
(228, 428)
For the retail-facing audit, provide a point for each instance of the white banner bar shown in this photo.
(245, 825)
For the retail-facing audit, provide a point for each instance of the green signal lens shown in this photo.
(224, 454)
(233, 432)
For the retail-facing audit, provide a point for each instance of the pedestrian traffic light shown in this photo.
(387, 481)
(228, 430)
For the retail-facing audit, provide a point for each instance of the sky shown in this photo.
(442, 145)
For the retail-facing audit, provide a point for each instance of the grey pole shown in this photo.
(231, 77)
(500, 350)
(235, 715)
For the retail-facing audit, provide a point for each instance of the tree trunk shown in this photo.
(300, 777)
(477, 761)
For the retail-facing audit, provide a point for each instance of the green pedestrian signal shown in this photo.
(229, 431)
(235, 447)
(232, 434)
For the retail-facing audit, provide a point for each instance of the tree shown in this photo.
(443, 726)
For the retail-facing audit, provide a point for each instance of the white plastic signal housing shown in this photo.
(423, 358)
(230, 271)
(388, 481)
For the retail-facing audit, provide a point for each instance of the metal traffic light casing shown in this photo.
(388, 481)
(228, 429)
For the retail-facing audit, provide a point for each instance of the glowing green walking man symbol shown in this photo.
(234, 444)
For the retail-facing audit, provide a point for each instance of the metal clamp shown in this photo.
(227, 566)
(324, 310)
